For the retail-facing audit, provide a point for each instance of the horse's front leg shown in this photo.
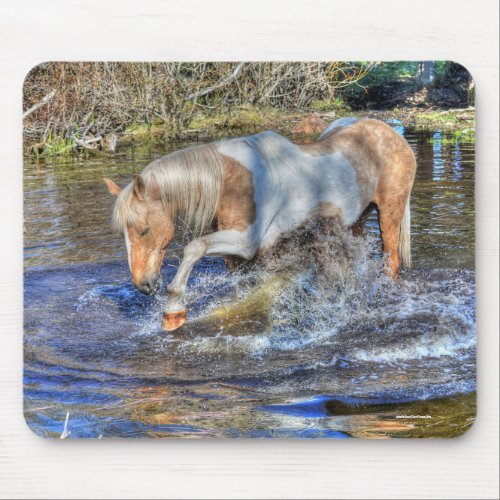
(229, 242)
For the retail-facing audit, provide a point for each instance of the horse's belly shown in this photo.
(288, 221)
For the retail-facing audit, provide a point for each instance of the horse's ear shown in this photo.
(112, 187)
(139, 187)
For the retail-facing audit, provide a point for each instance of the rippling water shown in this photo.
(332, 349)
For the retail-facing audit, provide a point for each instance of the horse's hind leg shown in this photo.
(392, 199)
(389, 231)
(391, 211)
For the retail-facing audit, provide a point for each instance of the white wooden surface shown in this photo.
(34, 31)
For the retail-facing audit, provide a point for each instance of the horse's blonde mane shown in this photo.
(190, 186)
(190, 181)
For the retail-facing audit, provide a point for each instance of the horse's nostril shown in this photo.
(148, 287)
(145, 287)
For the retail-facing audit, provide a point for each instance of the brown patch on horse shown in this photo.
(237, 208)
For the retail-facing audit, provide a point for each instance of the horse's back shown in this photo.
(372, 139)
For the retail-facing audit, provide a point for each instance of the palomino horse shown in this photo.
(240, 195)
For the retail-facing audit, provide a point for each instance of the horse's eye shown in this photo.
(145, 231)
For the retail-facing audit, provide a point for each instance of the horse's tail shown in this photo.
(337, 124)
(404, 243)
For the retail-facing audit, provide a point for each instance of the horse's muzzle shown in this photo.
(149, 286)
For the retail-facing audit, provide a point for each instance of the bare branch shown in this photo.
(222, 83)
(44, 101)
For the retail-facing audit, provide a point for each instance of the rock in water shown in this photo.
(310, 125)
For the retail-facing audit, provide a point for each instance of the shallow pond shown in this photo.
(339, 353)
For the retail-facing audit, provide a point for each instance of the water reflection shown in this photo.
(438, 160)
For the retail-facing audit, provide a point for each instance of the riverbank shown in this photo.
(458, 124)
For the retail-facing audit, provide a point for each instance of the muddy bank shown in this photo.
(299, 126)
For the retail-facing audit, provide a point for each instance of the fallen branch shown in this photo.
(222, 83)
(86, 144)
(65, 432)
(44, 101)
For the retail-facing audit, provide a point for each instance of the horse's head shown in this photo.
(140, 215)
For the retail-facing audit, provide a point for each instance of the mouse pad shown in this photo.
(256, 250)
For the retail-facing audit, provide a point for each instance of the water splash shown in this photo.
(334, 303)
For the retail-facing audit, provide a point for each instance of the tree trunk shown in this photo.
(425, 77)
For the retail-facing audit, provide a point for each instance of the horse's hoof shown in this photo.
(174, 320)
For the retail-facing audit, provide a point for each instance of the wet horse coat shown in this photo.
(254, 189)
